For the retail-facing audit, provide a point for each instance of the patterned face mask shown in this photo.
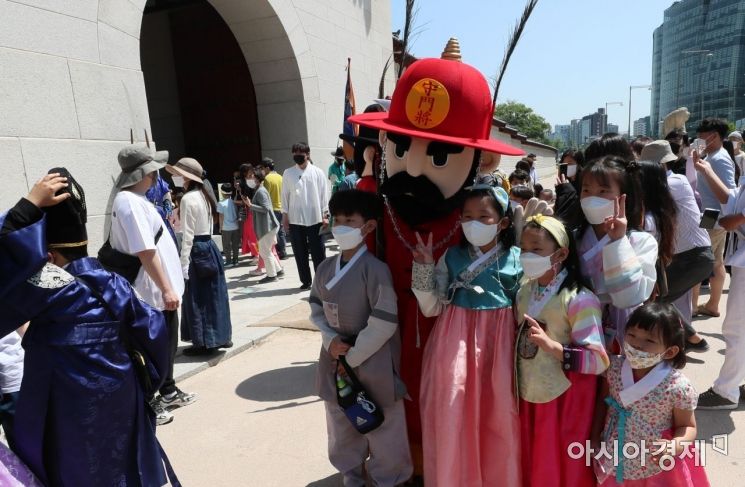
(639, 359)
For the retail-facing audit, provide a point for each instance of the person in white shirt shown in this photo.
(728, 390)
(137, 229)
(205, 317)
(305, 198)
(11, 375)
(693, 259)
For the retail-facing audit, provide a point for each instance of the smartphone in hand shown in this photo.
(709, 219)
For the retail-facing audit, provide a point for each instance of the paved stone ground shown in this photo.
(257, 422)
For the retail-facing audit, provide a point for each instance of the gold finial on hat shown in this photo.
(452, 51)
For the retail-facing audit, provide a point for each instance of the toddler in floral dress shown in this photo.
(650, 404)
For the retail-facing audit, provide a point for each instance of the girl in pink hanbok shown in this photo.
(560, 354)
(470, 425)
(650, 404)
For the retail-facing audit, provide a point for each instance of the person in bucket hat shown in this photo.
(438, 124)
(136, 162)
(137, 229)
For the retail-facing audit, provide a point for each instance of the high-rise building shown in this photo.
(699, 61)
(574, 133)
(642, 127)
(561, 132)
(611, 128)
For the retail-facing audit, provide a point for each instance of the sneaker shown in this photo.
(162, 416)
(256, 273)
(712, 400)
(267, 279)
(281, 273)
(177, 400)
(700, 347)
(305, 287)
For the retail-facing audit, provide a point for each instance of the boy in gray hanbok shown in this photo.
(352, 301)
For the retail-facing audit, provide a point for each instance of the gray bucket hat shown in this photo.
(658, 151)
(136, 162)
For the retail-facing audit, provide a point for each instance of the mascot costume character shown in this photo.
(432, 139)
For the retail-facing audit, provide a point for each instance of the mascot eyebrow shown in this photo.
(440, 151)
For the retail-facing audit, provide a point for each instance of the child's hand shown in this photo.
(615, 226)
(338, 347)
(731, 222)
(538, 336)
(423, 252)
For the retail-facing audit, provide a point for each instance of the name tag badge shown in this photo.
(331, 310)
(478, 289)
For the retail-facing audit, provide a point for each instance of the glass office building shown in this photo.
(699, 61)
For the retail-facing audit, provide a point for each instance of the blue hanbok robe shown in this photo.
(81, 417)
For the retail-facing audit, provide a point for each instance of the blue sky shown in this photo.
(573, 57)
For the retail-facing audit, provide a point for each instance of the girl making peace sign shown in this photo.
(615, 254)
(470, 424)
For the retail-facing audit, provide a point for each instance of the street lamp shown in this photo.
(707, 52)
(649, 87)
(608, 103)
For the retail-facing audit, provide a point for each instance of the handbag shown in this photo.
(360, 409)
(127, 266)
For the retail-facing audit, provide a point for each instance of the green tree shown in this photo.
(524, 119)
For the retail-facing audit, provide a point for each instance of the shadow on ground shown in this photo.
(285, 384)
(332, 481)
(249, 292)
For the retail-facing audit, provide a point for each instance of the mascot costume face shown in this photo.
(432, 139)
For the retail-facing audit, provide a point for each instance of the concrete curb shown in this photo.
(193, 368)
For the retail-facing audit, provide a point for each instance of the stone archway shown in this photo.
(263, 107)
(278, 55)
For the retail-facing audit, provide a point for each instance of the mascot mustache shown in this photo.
(417, 199)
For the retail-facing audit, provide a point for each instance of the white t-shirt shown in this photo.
(11, 363)
(134, 224)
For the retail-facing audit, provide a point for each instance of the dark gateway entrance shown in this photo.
(200, 94)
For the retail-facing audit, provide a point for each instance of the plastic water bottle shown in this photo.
(342, 386)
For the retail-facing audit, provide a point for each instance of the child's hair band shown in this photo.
(552, 226)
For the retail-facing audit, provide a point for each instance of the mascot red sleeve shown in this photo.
(432, 139)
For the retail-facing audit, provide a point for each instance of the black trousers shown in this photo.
(306, 239)
(281, 237)
(172, 323)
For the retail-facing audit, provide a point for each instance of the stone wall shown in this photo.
(72, 86)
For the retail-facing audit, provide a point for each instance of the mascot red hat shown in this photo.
(442, 100)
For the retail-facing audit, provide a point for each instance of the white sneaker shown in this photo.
(162, 416)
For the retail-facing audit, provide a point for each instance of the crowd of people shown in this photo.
(563, 317)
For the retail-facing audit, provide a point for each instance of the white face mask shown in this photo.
(534, 265)
(478, 234)
(596, 209)
(178, 181)
(347, 237)
(251, 183)
(639, 359)
(571, 170)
